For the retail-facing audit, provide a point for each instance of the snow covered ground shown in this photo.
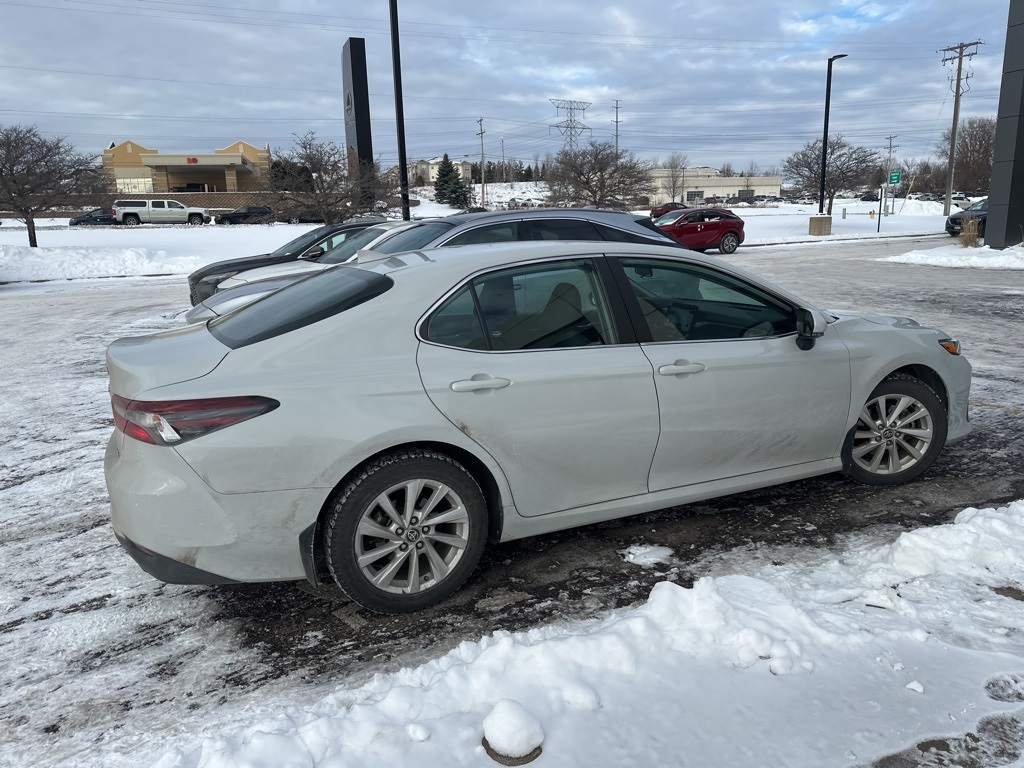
(839, 656)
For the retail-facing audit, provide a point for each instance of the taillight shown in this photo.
(170, 422)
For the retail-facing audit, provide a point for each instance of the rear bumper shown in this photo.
(168, 569)
(183, 532)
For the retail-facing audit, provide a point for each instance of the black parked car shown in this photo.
(202, 283)
(979, 211)
(248, 214)
(95, 216)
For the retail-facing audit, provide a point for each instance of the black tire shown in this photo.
(904, 438)
(131, 220)
(293, 220)
(358, 524)
(730, 242)
(195, 220)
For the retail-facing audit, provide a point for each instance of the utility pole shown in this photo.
(956, 52)
(885, 189)
(504, 168)
(483, 171)
(616, 121)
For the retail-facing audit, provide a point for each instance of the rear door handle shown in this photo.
(480, 381)
(680, 367)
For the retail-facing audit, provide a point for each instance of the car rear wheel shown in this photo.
(899, 434)
(406, 532)
(729, 243)
(131, 220)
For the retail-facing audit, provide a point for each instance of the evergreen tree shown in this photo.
(448, 187)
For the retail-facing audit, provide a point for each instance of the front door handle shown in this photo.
(680, 367)
(479, 381)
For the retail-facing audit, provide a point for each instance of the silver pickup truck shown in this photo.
(134, 212)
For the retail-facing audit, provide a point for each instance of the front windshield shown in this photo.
(300, 243)
(347, 249)
(981, 205)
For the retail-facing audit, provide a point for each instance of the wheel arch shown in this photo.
(927, 375)
(311, 542)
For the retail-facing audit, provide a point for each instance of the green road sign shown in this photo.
(894, 177)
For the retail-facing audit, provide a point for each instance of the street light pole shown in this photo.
(824, 137)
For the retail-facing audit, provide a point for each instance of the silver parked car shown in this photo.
(450, 231)
(375, 424)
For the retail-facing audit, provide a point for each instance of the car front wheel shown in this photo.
(195, 219)
(406, 532)
(899, 434)
(729, 243)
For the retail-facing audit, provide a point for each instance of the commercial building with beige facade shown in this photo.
(131, 168)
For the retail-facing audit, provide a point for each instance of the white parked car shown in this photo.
(377, 423)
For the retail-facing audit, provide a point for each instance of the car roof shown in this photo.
(447, 266)
(593, 214)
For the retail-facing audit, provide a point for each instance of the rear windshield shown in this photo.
(308, 301)
(347, 249)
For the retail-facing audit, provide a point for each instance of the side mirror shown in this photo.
(809, 326)
(313, 253)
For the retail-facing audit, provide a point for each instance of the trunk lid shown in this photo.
(141, 363)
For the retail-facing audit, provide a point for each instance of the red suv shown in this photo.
(664, 208)
(704, 228)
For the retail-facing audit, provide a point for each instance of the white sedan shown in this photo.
(375, 425)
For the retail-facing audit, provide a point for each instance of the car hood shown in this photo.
(889, 320)
(276, 270)
(139, 364)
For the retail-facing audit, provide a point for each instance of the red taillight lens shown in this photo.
(170, 422)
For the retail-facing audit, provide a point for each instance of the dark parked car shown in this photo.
(95, 216)
(204, 281)
(870, 197)
(660, 210)
(705, 228)
(248, 214)
(979, 211)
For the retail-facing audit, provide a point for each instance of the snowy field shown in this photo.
(836, 657)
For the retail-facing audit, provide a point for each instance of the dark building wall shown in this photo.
(1005, 225)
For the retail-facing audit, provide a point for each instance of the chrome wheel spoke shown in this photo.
(440, 494)
(374, 555)
(413, 489)
(414, 571)
(452, 540)
(385, 577)
(910, 449)
(438, 567)
(863, 448)
(384, 502)
(454, 515)
(876, 460)
(369, 527)
(924, 434)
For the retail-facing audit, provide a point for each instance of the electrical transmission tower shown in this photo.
(570, 127)
(956, 53)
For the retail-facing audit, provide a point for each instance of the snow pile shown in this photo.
(959, 257)
(21, 263)
(774, 642)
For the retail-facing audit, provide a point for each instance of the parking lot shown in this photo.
(113, 653)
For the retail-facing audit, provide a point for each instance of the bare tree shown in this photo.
(316, 175)
(846, 166)
(39, 174)
(749, 174)
(727, 170)
(975, 149)
(599, 175)
(675, 179)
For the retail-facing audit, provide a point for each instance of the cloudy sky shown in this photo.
(735, 81)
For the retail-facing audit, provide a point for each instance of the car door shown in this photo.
(527, 362)
(176, 212)
(158, 211)
(736, 393)
(690, 230)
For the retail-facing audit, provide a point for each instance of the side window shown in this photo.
(539, 306)
(336, 239)
(456, 323)
(559, 229)
(505, 232)
(622, 236)
(690, 302)
(174, 204)
(157, 204)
